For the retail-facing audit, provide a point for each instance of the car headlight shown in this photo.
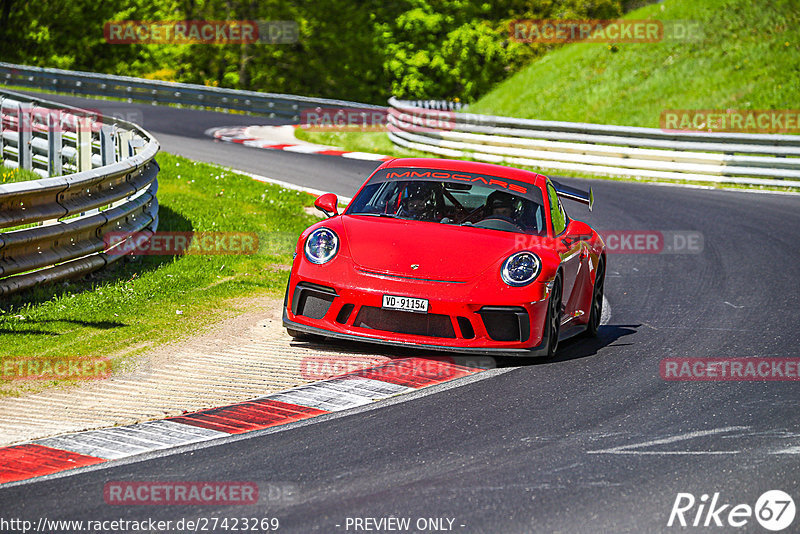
(321, 245)
(521, 269)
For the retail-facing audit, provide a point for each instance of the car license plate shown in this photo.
(394, 302)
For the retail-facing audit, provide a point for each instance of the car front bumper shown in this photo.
(465, 317)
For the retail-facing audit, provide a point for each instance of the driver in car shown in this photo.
(419, 202)
(501, 204)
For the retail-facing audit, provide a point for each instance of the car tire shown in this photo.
(553, 321)
(596, 312)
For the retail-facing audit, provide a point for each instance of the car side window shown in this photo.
(557, 215)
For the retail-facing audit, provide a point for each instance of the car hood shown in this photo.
(441, 251)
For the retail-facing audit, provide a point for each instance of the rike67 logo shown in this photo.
(774, 510)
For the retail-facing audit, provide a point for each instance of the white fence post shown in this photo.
(83, 130)
(24, 126)
(54, 144)
(124, 148)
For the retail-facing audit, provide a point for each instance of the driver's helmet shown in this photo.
(500, 203)
(419, 201)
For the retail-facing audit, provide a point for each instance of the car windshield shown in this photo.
(445, 202)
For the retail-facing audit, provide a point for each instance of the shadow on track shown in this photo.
(583, 347)
(574, 348)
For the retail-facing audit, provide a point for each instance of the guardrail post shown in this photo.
(24, 126)
(108, 154)
(54, 144)
(2, 122)
(124, 148)
(83, 131)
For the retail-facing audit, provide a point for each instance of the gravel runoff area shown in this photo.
(242, 357)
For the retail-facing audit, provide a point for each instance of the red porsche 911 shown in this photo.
(450, 255)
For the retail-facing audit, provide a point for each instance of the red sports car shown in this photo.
(449, 255)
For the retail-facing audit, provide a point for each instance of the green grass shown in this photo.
(9, 175)
(373, 142)
(138, 304)
(749, 58)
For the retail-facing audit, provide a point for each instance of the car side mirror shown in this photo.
(327, 204)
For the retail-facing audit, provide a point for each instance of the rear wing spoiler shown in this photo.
(570, 193)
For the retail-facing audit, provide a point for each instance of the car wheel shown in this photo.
(554, 318)
(597, 300)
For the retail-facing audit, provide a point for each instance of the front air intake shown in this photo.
(467, 332)
(506, 323)
(344, 313)
(312, 300)
(399, 322)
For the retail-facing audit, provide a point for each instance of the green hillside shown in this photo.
(748, 58)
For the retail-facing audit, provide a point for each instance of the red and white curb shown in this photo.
(282, 138)
(359, 388)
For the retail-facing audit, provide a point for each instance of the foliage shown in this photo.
(748, 58)
(9, 175)
(361, 51)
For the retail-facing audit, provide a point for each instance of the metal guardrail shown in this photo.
(772, 160)
(443, 105)
(272, 105)
(99, 176)
(754, 159)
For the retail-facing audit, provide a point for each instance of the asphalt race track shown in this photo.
(595, 441)
(181, 131)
